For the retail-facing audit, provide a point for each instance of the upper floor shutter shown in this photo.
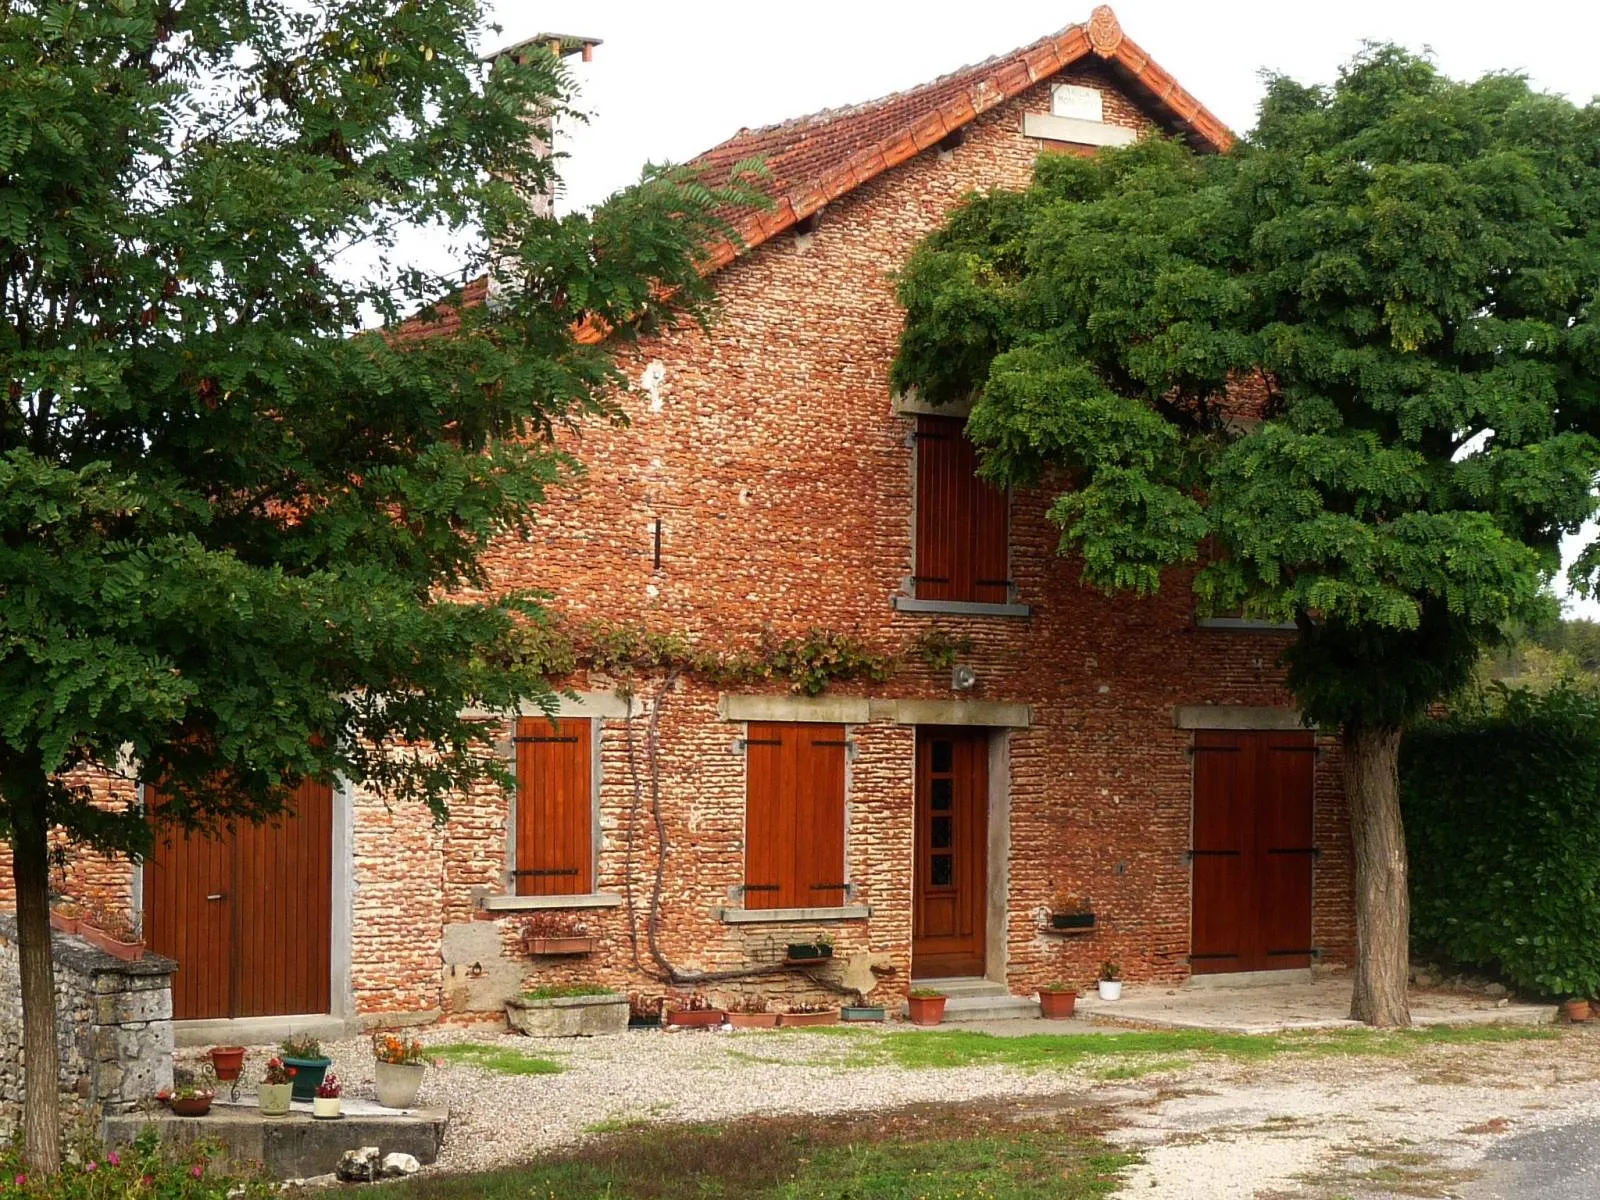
(554, 852)
(794, 815)
(962, 528)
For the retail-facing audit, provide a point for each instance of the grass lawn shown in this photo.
(931, 1152)
(498, 1059)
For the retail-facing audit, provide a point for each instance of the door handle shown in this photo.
(214, 896)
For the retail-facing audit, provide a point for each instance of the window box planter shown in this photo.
(550, 946)
(568, 1016)
(926, 1010)
(126, 951)
(308, 1073)
(762, 1020)
(1076, 921)
(799, 952)
(697, 1018)
(863, 1012)
(1057, 1004)
(64, 922)
(802, 1020)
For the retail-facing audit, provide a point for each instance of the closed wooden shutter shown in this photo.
(555, 808)
(961, 551)
(794, 815)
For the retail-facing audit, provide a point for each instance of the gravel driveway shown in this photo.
(1443, 1120)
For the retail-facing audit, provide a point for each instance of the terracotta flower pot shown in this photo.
(275, 1098)
(762, 1020)
(927, 1010)
(560, 945)
(795, 1020)
(227, 1062)
(1576, 1010)
(398, 1083)
(126, 951)
(63, 922)
(699, 1018)
(191, 1106)
(1057, 1005)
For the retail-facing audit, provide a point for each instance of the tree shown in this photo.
(1349, 369)
(239, 537)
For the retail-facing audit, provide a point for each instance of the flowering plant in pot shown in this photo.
(307, 1064)
(750, 1012)
(325, 1104)
(277, 1088)
(556, 933)
(399, 1069)
(695, 1012)
(809, 1014)
(192, 1091)
(926, 1005)
(1110, 981)
(1057, 1000)
(113, 931)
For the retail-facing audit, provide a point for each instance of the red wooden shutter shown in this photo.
(961, 551)
(794, 815)
(555, 808)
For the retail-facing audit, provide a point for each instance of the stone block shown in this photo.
(568, 1016)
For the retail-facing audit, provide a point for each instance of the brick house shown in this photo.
(1034, 746)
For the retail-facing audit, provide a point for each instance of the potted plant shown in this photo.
(192, 1091)
(1072, 914)
(227, 1062)
(927, 1006)
(818, 948)
(66, 914)
(644, 1012)
(809, 1014)
(1110, 981)
(325, 1104)
(862, 1012)
(302, 1055)
(1057, 1001)
(277, 1088)
(750, 1012)
(1577, 1010)
(399, 1069)
(555, 933)
(113, 931)
(694, 1013)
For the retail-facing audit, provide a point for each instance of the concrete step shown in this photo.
(965, 1009)
(962, 987)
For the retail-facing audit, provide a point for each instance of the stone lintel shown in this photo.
(781, 916)
(1241, 717)
(953, 712)
(538, 903)
(825, 710)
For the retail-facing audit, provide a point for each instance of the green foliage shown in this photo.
(556, 991)
(1397, 274)
(301, 1045)
(1502, 808)
(142, 1171)
(240, 537)
(940, 649)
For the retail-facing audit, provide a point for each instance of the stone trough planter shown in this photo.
(568, 1016)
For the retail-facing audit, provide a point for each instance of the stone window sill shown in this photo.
(959, 608)
(536, 903)
(782, 916)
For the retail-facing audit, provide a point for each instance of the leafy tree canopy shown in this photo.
(1353, 367)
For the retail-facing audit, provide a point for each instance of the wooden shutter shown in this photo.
(555, 807)
(794, 815)
(961, 551)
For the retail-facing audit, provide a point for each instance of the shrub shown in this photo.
(1502, 809)
(142, 1171)
(559, 991)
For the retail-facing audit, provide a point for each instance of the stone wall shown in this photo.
(113, 1027)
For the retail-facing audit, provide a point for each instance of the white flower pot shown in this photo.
(1111, 989)
(398, 1083)
(325, 1106)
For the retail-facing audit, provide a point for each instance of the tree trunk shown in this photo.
(30, 866)
(1383, 903)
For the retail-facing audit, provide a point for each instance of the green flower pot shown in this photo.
(308, 1073)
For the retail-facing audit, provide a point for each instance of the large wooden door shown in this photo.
(950, 905)
(246, 914)
(1252, 854)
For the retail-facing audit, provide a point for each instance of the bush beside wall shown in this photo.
(1502, 810)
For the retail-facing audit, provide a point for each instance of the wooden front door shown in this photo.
(1252, 854)
(246, 914)
(950, 907)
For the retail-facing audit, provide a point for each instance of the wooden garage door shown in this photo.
(247, 914)
(1252, 852)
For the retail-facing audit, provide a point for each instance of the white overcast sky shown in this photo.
(675, 77)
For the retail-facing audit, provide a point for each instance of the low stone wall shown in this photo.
(113, 1027)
